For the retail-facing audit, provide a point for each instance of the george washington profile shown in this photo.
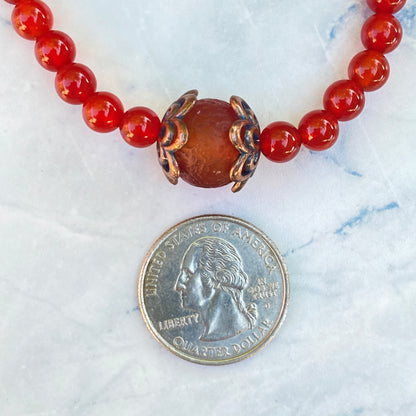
(212, 281)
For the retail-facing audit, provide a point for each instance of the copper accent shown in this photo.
(245, 136)
(174, 134)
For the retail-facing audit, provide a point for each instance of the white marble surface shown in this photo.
(78, 212)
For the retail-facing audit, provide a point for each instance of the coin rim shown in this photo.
(247, 354)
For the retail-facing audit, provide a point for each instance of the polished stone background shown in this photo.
(78, 212)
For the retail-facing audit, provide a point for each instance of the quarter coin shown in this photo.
(213, 290)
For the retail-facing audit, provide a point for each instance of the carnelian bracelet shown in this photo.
(210, 143)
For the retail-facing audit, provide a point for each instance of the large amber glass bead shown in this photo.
(209, 143)
(208, 156)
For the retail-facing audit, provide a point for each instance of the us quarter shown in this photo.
(213, 290)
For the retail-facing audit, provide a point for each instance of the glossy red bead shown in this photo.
(369, 69)
(280, 142)
(54, 49)
(74, 83)
(208, 156)
(344, 99)
(382, 33)
(103, 112)
(140, 127)
(31, 18)
(319, 130)
(386, 6)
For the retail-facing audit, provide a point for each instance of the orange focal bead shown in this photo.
(209, 155)
(209, 143)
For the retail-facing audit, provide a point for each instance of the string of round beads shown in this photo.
(210, 143)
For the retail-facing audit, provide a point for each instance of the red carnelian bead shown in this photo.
(319, 130)
(31, 18)
(345, 99)
(386, 6)
(381, 32)
(102, 112)
(369, 69)
(208, 156)
(54, 49)
(74, 83)
(140, 127)
(280, 141)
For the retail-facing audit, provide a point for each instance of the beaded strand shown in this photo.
(318, 130)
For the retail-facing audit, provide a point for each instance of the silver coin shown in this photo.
(213, 290)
